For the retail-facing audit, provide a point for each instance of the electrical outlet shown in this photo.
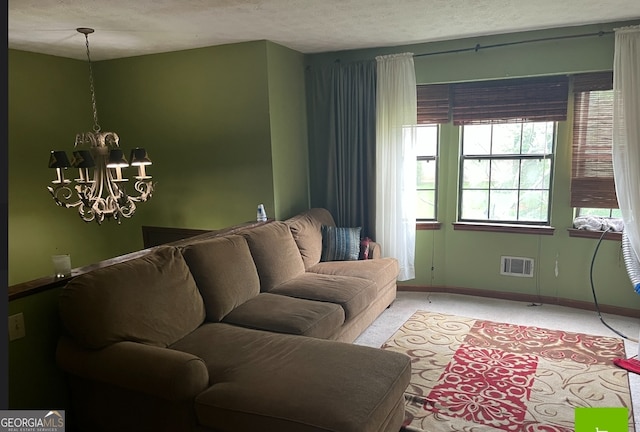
(16, 326)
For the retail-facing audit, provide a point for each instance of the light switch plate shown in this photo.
(16, 326)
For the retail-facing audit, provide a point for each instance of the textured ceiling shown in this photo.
(134, 27)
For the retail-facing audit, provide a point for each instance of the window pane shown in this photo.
(475, 174)
(426, 170)
(477, 140)
(506, 139)
(505, 174)
(474, 204)
(426, 204)
(534, 206)
(535, 174)
(426, 174)
(600, 212)
(504, 205)
(427, 140)
(537, 138)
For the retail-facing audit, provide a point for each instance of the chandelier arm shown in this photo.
(115, 193)
(119, 202)
(97, 187)
(144, 189)
(86, 213)
(127, 210)
(62, 195)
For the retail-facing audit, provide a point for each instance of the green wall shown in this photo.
(35, 382)
(288, 131)
(217, 122)
(224, 126)
(49, 103)
(203, 116)
(471, 260)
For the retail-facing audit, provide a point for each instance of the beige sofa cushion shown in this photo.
(152, 300)
(306, 231)
(353, 294)
(275, 254)
(290, 315)
(382, 270)
(224, 272)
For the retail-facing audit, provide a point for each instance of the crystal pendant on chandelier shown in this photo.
(99, 191)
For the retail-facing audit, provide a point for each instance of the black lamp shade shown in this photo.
(139, 157)
(116, 159)
(82, 159)
(58, 159)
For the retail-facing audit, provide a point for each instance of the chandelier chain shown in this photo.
(96, 126)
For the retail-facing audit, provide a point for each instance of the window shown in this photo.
(593, 193)
(508, 132)
(592, 184)
(505, 172)
(427, 172)
(433, 110)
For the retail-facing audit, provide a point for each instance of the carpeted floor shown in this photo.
(546, 316)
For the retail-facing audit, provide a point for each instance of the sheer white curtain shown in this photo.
(626, 131)
(396, 117)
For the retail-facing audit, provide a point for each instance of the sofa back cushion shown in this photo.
(275, 254)
(306, 231)
(224, 272)
(152, 299)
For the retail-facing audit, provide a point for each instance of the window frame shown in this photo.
(514, 157)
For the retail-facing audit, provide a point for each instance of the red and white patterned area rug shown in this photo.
(477, 375)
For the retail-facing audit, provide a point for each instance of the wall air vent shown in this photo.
(516, 266)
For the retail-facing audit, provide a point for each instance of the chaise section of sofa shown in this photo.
(233, 332)
(273, 382)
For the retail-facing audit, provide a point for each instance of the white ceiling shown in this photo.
(134, 27)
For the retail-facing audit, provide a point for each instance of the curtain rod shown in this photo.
(478, 47)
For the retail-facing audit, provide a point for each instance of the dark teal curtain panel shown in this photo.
(342, 131)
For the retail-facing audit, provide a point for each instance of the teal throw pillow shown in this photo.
(340, 244)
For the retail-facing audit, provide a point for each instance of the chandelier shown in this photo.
(99, 191)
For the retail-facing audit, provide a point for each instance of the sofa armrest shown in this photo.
(161, 372)
(374, 250)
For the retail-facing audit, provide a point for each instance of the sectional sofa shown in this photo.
(242, 330)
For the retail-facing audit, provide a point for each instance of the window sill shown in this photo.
(428, 226)
(504, 228)
(573, 232)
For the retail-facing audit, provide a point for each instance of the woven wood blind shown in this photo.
(522, 99)
(498, 101)
(592, 182)
(433, 104)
